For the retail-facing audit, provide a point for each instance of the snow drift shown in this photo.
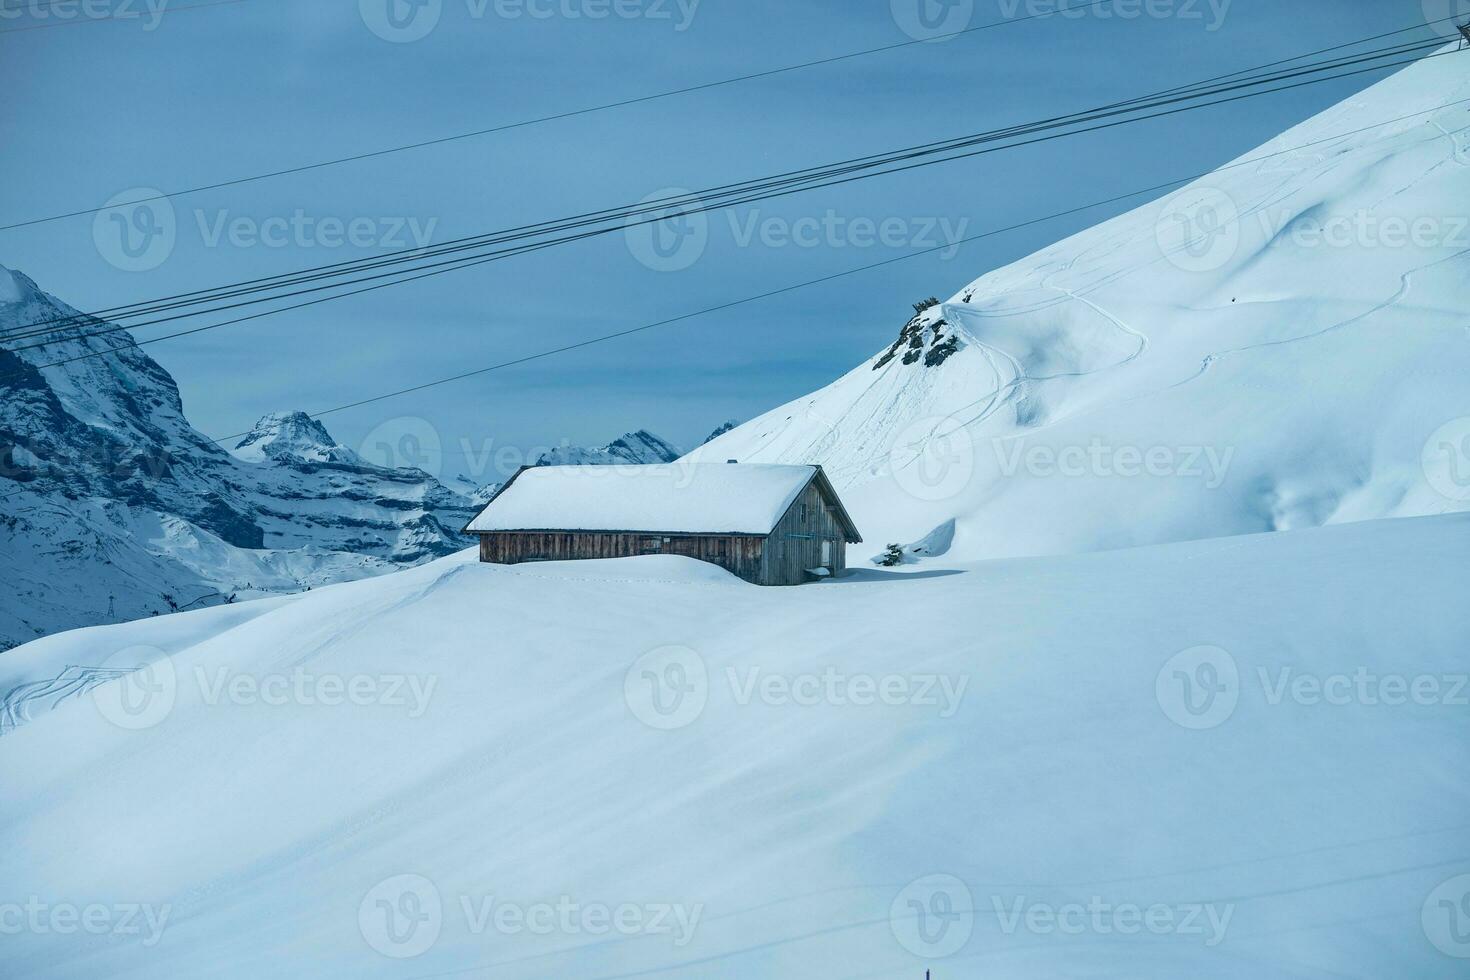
(988, 769)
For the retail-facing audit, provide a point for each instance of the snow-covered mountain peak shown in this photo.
(293, 437)
(113, 506)
(720, 430)
(14, 287)
(632, 447)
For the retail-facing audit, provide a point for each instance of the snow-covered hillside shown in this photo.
(645, 767)
(1276, 346)
(113, 507)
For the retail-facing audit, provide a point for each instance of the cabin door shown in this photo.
(826, 554)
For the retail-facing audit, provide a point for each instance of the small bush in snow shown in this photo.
(893, 555)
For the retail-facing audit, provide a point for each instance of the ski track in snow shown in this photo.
(18, 704)
(1403, 291)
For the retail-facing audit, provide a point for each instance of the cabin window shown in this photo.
(653, 544)
(803, 513)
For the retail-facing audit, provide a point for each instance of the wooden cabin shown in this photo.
(767, 524)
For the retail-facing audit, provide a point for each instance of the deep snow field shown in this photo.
(645, 767)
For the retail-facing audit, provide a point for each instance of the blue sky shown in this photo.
(98, 108)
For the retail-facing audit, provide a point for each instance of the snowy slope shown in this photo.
(1274, 347)
(1032, 756)
(112, 506)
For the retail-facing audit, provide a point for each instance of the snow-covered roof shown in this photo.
(679, 498)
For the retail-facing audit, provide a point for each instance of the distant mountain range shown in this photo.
(635, 447)
(114, 507)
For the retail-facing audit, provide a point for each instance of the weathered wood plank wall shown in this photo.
(796, 543)
(740, 554)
